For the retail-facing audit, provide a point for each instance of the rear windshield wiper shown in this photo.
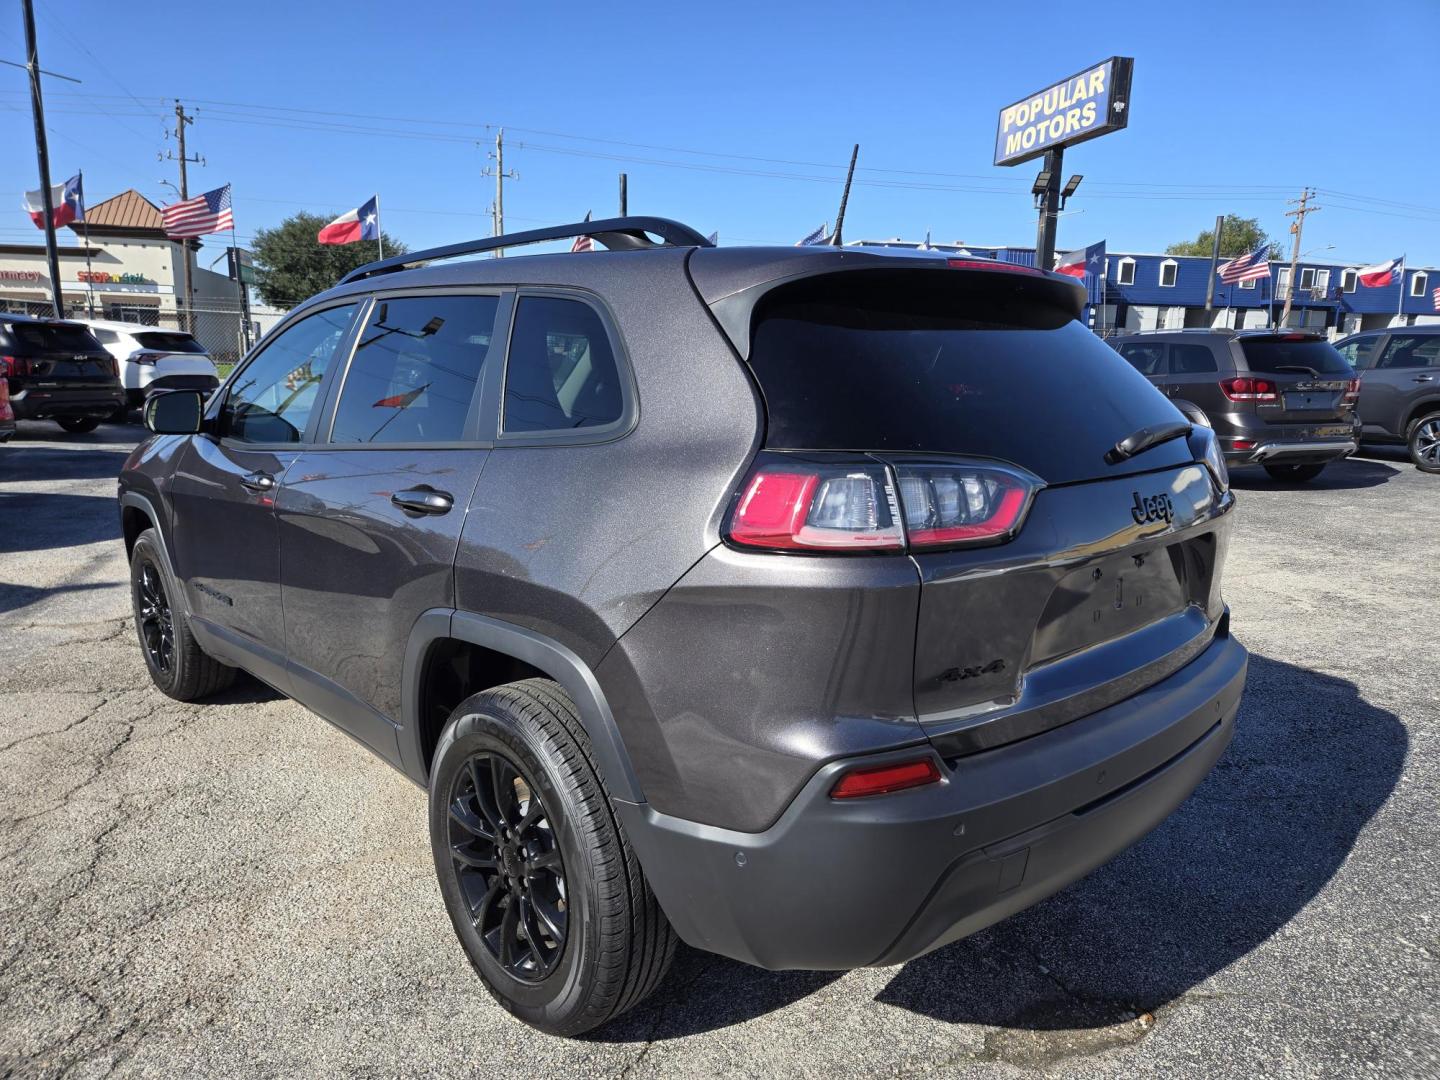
(1298, 367)
(1139, 441)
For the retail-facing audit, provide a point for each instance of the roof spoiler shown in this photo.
(616, 234)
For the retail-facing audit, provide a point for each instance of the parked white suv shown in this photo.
(151, 358)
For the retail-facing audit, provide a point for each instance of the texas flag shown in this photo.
(1379, 274)
(67, 203)
(1079, 264)
(360, 224)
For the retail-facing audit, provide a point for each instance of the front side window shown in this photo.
(415, 370)
(1412, 351)
(561, 373)
(1359, 351)
(1145, 357)
(271, 399)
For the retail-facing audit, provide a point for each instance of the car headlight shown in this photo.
(1206, 448)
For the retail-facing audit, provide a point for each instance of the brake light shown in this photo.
(824, 508)
(6, 412)
(1248, 389)
(992, 264)
(16, 365)
(883, 779)
(793, 502)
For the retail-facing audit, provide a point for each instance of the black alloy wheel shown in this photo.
(507, 859)
(157, 624)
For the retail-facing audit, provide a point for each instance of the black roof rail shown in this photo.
(617, 234)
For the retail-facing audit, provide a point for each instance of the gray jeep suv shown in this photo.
(1399, 388)
(1282, 399)
(817, 607)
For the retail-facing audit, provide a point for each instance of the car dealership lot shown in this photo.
(237, 886)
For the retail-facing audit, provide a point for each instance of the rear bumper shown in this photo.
(135, 397)
(1296, 452)
(35, 404)
(835, 885)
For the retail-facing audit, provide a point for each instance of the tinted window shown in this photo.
(1415, 351)
(415, 370)
(953, 363)
(1359, 352)
(271, 399)
(1277, 355)
(53, 338)
(561, 374)
(1145, 357)
(1190, 359)
(159, 340)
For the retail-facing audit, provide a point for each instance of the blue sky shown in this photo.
(740, 117)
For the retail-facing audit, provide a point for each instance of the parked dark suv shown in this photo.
(1399, 373)
(1284, 400)
(57, 371)
(817, 606)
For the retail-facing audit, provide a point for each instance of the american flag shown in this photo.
(203, 214)
(1435, 299)
(1247, 267)
(584, 243)
(816, 237)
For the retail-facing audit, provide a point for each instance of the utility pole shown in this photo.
(42, 156)
(1214, 265)
(1297, 227)
(181, 122)
(624, 195)
(497, 211)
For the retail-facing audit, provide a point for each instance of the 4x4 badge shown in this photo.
(1155, 508)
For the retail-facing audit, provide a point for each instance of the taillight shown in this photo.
(6, 412)
(1248, 389)
(883, 779)
(811, 502)
(807, 505)
(1352, 391)
(16, 365)
(947, 505)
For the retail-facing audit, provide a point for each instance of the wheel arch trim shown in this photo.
(137, 501)
(545, 654)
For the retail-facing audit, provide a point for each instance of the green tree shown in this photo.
(1240, 236)
(293, 266)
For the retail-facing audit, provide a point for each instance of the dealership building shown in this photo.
(1144, 291)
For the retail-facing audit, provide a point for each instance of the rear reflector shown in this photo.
(883, 779)
(1247, 389)
(1244, 444)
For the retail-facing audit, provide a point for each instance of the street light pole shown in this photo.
(42, 156)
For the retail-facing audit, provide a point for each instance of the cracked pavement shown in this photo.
(235, 886)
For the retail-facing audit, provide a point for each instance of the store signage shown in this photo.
(100, 277)
(21, 275)
(1093, 102)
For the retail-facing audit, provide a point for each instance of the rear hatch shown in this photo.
(56, 356)
(1299, 384)
(1110, 582)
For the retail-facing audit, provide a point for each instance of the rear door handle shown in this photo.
(257, 481)
(1424, 378)
(423, 500)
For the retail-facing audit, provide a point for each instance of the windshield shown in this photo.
(1273, 355)
(947, 362)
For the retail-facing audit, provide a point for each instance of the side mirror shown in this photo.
(174, 412)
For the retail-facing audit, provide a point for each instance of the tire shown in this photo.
(1294, 474)
(78, 425)
(1423, 442)
(594, 941)
(119, 416)
(178, 667)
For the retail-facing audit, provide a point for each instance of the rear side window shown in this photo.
(415, 370)
(271, 400)
(1276, 355)
(1148, 358)
(947, 362)
(561, 374)
(40, 338)
(1191, 359)
(161, 341)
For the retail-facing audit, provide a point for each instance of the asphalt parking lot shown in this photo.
(235, 887)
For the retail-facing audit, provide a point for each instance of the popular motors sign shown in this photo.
(1093, 102)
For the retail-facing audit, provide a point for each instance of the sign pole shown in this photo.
(1049, 208)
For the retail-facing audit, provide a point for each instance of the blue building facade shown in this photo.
(1144, 291)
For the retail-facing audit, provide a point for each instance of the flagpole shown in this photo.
(85, 230)
(379, 239)
(1400, 300)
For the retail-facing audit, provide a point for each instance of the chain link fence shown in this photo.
(219, 325)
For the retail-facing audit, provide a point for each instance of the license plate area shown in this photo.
(1336, 431)
(1310, 400)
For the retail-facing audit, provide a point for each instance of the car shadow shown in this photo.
(13, 597)
(37, 521)
(21, 462)
(1310, 765)
(1338, 476)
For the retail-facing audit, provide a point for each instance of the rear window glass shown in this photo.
(159, 340)
(1276, 355)
(947, 362)
(42, 338)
